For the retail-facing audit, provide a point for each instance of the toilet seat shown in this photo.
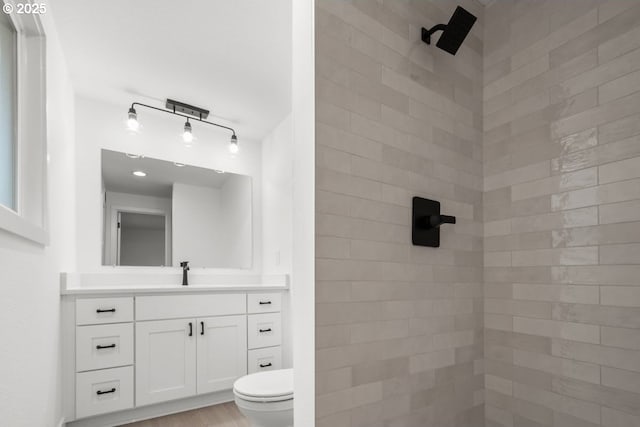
(269, 386)
(263, 398)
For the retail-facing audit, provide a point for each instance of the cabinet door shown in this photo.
(222, 352)
(165, 360)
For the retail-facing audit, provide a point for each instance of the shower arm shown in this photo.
(426, 34)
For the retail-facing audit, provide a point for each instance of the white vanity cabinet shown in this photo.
(264, 332)
(104, 346)
(103, 391)
(181, 358)
(137, 353)
(189, 355)
(103, 353)
(165, 360)
(222, 352)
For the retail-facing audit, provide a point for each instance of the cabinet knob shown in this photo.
(265, 365)
(265, 330)
(190, 329)
(99, 392)
(202, 328)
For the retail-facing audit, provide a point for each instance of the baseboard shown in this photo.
(152, 411)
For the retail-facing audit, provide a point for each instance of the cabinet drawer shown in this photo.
(263, 303)
(108, 390)
(104, 346)
(93, 311)
(264, 330)
(265, 359)
(189, 306)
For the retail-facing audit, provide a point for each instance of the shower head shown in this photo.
(454, 33)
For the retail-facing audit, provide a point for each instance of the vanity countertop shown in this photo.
(141, 283)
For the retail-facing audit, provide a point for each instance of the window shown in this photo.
(23, 129)
(8, 89)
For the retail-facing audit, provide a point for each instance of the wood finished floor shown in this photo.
(223, 415)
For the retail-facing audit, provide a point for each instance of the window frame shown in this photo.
(14, 131)
(29, 219)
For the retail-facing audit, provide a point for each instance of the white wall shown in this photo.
(212, 227)
(303, 259)
(198, 227)
(29, 306)
(236, 211)
(102, 125)
(277, 198)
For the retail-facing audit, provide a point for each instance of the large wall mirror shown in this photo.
(159, 213)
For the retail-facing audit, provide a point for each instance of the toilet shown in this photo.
(266, 398)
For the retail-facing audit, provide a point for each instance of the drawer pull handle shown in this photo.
(264, 302)
(107, 310)
(265, 330)
(190, 329)
(102, 347)
(202, 328)
(99, 392)
(265, 365)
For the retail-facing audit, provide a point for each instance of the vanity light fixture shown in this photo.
(233, 144)
(187, 111)
(132, 121)
(139, 173)
(187, 136)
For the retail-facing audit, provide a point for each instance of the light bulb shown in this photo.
(233, 144)
(132, 121)
(187, 136)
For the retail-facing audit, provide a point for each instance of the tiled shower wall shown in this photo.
(562, 213)
(399, 328)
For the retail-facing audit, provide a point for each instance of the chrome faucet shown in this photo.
(185, 269)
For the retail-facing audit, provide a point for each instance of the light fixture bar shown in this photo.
(181, 107)
(191, 117)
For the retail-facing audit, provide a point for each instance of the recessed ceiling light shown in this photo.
(133, 156)
(139, 173)
(218, 171)
(180, 165)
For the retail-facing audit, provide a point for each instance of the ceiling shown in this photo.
(231, 57)
(117, 174)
